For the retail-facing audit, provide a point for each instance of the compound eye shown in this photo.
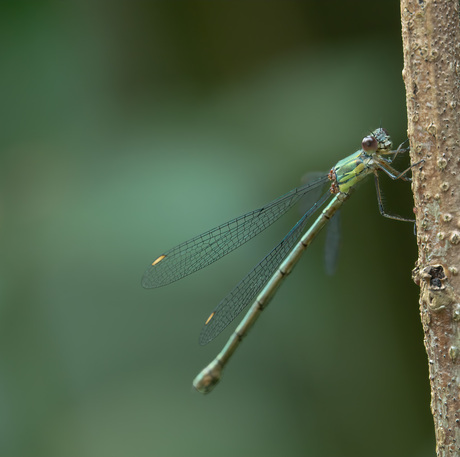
(369, 144)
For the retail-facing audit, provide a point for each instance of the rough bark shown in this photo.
(430, 31)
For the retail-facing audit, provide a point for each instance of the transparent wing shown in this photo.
(311, 198)
(204, 249)
(247, 289)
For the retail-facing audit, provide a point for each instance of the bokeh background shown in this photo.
(128, 127)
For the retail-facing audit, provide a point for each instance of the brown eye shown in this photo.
(369, 144)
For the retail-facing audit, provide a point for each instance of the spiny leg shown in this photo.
(381, 207)
(400, 150)
(395, 174)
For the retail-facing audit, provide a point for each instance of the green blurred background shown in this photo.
(128, 127)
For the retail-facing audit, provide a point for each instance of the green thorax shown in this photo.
(354, 168)
(349, 171)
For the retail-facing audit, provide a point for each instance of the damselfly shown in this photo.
(259, 285)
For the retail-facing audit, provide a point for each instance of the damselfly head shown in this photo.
(369, 144)
(384, 142)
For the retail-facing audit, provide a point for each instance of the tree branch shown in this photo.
(431, 40)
